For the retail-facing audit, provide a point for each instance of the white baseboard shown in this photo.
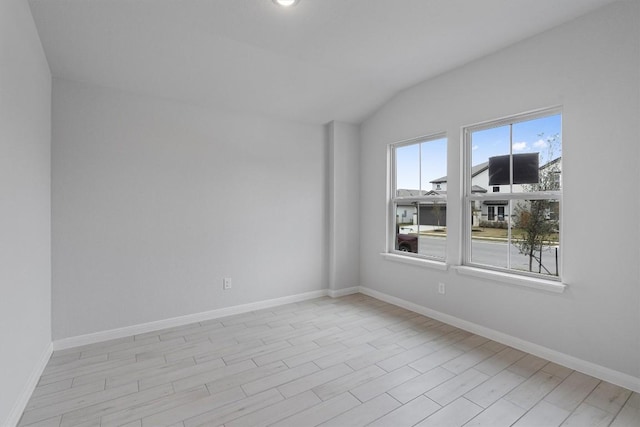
(142, 328)
(342, 292)
(615, 377)
(30, 386)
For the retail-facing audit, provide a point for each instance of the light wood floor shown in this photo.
(332, 362)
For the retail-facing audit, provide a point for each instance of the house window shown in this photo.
(491, 213)
(522, 157)
(417, 165)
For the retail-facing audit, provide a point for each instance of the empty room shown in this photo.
(319, 213)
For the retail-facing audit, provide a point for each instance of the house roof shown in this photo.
(481, 167)
(474, 171)
(478, 189)
(403, 192)
(551, 163)
(417, 193)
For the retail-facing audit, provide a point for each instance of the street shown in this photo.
(492, 253)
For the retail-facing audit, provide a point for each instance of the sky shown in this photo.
(528, 137)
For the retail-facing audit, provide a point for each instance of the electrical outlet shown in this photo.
(226, 283)
(441, 288)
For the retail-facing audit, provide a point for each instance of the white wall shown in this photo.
(155, 202)
(25, 220)
(591, 67)
(344, 206)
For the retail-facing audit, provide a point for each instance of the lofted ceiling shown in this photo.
(319, 61)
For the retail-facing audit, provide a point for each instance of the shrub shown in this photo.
(494, 224)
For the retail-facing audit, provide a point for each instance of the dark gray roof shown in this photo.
(402, 192)
(410, 193)
(417, 193)
(478, 189)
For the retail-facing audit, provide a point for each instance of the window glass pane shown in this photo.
(523, 236)
(406, 235)
(422, 231)
(534, 151)
(489, 237)
(490, 145)
(420, 225)
(407, 170)
(433, 228)
(433, 165)
(537, 151)
(535, 236)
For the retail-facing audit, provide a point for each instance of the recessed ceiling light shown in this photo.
(286, 3)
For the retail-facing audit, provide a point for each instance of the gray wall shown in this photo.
(591, 67)
(25, 249)
(344, 205)
(155, 202)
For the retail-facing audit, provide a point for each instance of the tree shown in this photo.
(437, 211)
(532, 220)
(536, 218)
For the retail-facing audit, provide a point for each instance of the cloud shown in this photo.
(541, 143)
(475, 147)
(519, 146)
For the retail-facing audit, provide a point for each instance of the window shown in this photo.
(491, 213)
(418, 200)
(517, 228)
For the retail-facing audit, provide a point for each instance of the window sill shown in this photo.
(421, 262)
(513, 279)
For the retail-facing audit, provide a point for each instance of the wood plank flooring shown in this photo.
(349, 361)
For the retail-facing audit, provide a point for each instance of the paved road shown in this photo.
(491, 253)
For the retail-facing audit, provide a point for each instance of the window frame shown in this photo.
(468, 197)
(394, 199)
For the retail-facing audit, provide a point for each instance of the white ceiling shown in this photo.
(318, 61)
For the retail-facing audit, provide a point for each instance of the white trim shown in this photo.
(21, 403)
(421, 262)
(512, 279)
(421, 198)
(343, 292)
(615, 377)
(127, 331)
(516, 118)
(533, 195)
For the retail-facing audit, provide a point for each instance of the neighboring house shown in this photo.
(488, 210)
(432, 214)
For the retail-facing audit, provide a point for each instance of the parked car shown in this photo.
(407, 243)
